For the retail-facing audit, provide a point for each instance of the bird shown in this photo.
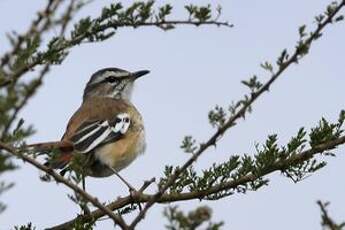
(107, 129)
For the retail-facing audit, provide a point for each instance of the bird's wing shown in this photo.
(92, 134)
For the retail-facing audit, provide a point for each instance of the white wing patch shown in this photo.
(122, 124)
(92, 135)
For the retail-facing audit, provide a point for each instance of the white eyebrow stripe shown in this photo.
(106, 74)
(121, 74)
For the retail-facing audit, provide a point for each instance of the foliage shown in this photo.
(82, 225)
(200, 218)
(268, 157)
(29, 226)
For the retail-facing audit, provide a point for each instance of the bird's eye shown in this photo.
(112, 79)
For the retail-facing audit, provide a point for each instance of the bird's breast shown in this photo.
(121, 153)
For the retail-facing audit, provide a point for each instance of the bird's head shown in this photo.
(112, 82)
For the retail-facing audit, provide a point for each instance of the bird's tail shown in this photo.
(61, 153)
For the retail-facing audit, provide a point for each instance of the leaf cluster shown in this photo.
(28, 226)
(200, 218)
(226, 177)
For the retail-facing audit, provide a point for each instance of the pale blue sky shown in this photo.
(192, 69)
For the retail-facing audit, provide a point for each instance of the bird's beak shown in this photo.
(139, 74)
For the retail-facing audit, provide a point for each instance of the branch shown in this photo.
(326, 219)
(80, 39)
(165, 24)
(233, 184)
(139, 14)
(241, 113)
(117, 219)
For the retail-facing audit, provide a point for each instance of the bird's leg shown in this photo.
(132, 191)
(83, 204)
(130, 187)
(83, 182)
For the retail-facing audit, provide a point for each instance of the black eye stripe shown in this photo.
(111, 79)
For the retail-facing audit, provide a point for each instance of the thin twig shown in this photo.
(67, 16)
(69, 184)
(326, 219)
(115, 25)
(163, 24)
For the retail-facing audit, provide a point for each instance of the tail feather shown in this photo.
(61, 161)
(63, 156)
(62, 146)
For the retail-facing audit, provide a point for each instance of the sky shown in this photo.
(192, 70)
